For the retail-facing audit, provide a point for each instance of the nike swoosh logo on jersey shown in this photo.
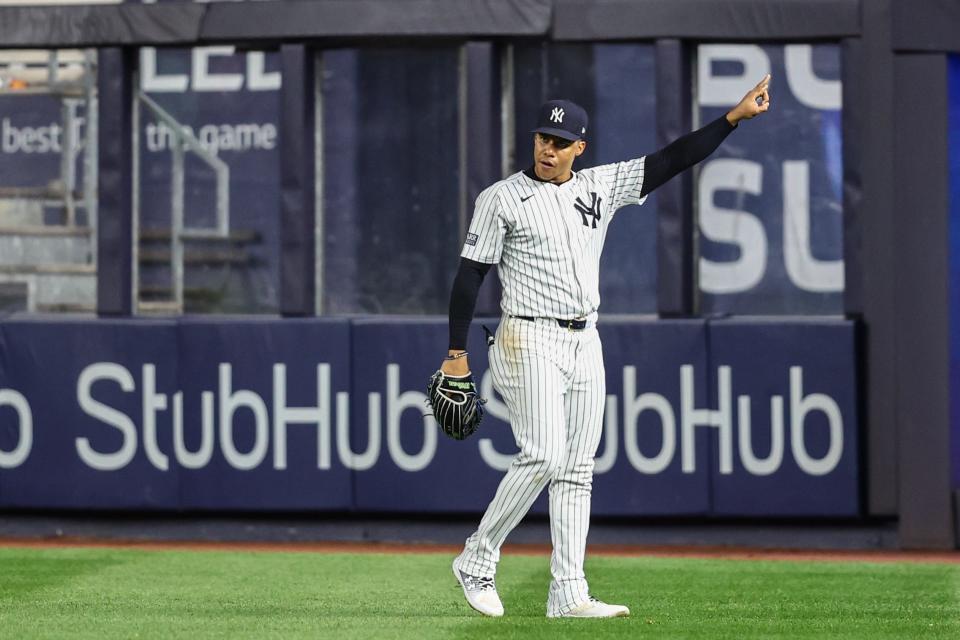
(527, 198)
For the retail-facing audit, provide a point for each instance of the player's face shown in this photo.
(553, 157)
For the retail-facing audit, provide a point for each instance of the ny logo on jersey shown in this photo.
(556, 115)
(592, 211)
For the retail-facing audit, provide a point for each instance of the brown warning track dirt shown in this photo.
(729, 553)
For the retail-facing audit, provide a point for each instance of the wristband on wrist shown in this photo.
(457, 356)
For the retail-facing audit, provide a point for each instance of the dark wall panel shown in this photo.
(745, 20)
(480, 150)
(115, 69)
(675, 229)
(100, 24)
(926, 25)
(878, 265)
(854, 216)
(297, 182)
(374, 18)
(922, 310)
(185, 22)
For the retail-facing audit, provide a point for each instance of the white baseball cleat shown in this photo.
(594, 608)
(481, 593)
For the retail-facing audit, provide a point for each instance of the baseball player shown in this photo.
(545, 227)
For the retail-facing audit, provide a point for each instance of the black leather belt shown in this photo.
(572, 325)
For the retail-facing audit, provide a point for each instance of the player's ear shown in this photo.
(581, 146)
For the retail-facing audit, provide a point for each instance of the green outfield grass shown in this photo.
(103, 593)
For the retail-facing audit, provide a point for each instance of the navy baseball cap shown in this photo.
(562, 118)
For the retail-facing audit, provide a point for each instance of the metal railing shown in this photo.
(71, 75)
(183, 141)
(61, 280)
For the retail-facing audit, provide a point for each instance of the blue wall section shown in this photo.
(953, 125)
(421, 470)
(306, 473)
(644, 363)
(46, 362)
(810, 368)
(49, 360)
(796, 155)
(349, 431)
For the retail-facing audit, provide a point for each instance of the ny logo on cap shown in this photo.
(556, 115)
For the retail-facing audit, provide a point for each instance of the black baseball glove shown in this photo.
(456, 406)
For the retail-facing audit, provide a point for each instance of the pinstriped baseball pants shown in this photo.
(552, 382)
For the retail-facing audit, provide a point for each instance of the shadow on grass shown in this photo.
(27, 573)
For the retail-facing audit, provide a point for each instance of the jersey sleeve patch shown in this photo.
(485, 235)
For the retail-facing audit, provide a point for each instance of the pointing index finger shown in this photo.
(762, 85)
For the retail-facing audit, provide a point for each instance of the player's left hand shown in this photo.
(456, 406)
(756, 101)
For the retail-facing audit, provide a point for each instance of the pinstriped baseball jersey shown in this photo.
(548, 238)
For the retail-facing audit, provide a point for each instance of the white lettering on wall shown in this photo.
(257, 78)
(690, 418)
(107, 415)
(807, 88)
(152, 81)
(284, 415)
(800, 407)
(727, 90)
(397, 403)
(633, 406)
(804, 270)
(152, 402)
(16, 400)
(201, 78)
(748, 458)
(201, 457)
(28, 139)
(230, 402)
(678, 427)
(350, 459)
(206, 80)
(732, 226)
(738, 226)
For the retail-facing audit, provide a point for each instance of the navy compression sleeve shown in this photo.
(682, 153)
(463, 299)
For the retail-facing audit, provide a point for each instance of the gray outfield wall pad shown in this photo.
(719, 418)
